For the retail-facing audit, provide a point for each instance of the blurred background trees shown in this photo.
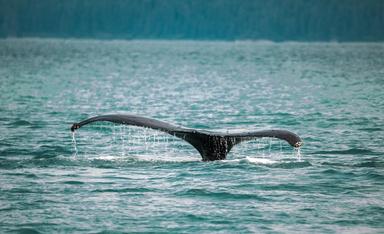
(277, 20)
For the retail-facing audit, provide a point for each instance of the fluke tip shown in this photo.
(75, 126)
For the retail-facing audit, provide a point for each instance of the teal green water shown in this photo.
(124, 179)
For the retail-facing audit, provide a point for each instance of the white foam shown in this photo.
(260, 160)
(109, 157)
(148, 158)
(252, 160)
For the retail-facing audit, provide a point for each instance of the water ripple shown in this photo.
(119, 181)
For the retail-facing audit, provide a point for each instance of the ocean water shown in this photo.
(117, 178)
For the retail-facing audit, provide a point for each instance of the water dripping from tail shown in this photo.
(298, 153)
(211, 145)
(74, 143)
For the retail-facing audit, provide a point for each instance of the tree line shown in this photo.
(277, 20)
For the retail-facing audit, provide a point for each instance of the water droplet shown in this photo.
(74, 143)
(298, 153)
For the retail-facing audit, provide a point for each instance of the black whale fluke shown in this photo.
(211, 145)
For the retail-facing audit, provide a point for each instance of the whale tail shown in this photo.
(211, 145)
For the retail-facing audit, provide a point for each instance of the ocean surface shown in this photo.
(110, 178)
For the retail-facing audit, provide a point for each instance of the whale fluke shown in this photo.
(211, 145)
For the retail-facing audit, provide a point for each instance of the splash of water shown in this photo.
(298, 153)
(74, 143)
(135, 141)
(122, 134)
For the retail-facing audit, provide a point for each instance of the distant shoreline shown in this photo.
(258, 41)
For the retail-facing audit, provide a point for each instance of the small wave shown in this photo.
(19, 123)
(347, 174)
(25, 123)
(27, 162)
(371, 129)
(348, 151)
(166, 158)
(376, 176)
(26, 231)
(111, 161)
(14, 152)
(274, 163)
(335, 164)
(3, 143)
(370, 163)
(74, 182)
(22, 190)
(292, 164)
(49, 151)
(221, 194)
(122, 190)
(27, 175)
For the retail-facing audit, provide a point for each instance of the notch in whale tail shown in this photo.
(211, 145)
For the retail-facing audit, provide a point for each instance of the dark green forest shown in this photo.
(277, 20)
